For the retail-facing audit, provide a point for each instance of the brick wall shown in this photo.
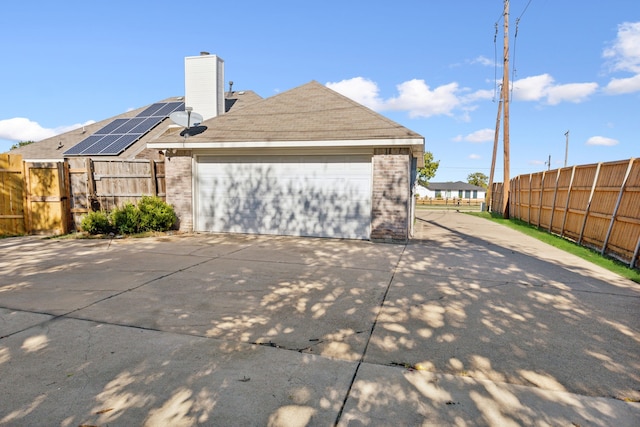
(391, 194)
(178, 181)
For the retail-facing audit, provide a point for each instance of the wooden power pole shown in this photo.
(505, 97)
(493, 158)
(566, 149)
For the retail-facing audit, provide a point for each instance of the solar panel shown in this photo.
(119, 145)
(120, 134)
(111, 127)
(149, 111)
(83, 145)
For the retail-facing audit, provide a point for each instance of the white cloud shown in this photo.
(625, 52)
(475, 156)
(23, 129)
(479, 136)
(531, 88)
(601, 140)
(483, 61)
(359, 89)
(543, 88)
(414, 96)
(421, 101)
(622, 86)
(572, 92)
(624, 55)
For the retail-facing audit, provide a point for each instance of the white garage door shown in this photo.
(324, 196)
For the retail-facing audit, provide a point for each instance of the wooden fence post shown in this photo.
(635, 254)
(615, 210)
(553, 204)
(91, 185)
(154, 184)
(586, 211)
(529, 208)
(544, 174)
(566, 206)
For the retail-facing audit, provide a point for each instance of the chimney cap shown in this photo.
(203, 53)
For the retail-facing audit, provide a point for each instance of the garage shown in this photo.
(297, 195)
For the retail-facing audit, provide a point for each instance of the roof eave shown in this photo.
(416, 144)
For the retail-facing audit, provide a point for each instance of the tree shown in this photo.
(429, 169)
(478, 178)
(21, 144)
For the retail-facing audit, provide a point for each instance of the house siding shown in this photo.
(178, 178)
(390, 194)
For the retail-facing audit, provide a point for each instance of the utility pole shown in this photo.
(549, 163)
(505, 97)
(566, 149)
(493, 158)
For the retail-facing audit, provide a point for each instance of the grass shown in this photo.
(564, 244)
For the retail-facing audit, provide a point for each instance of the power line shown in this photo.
(525, 9)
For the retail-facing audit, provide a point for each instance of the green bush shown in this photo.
(96, 223)
(155, 215)
(126, 220)
(151, 214)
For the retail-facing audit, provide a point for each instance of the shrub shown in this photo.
(126, 220)
(96, 223)
(155, 215)
(151, 214)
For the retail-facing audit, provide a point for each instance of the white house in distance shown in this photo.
(451, 190)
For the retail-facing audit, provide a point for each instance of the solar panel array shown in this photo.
(120, 134)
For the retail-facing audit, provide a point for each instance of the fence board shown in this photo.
(12, 195)
(626, 224)
(107, 184)
(596, 205)
(46, 198)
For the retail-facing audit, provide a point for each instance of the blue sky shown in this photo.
(429, 65)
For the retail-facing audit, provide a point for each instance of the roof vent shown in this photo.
(204, 53)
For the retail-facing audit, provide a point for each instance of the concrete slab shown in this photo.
(97, 374)
(12, 321)
(316, 309)
(386, 396)
(525, 335)
(266, 330)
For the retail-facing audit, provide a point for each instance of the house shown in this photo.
(452, 190)
(305, 162)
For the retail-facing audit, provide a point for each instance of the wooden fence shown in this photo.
(106, 184)
(52, 197)
(596, 205)
(449, 202)
(12, 195)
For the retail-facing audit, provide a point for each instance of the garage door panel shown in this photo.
(326, 196)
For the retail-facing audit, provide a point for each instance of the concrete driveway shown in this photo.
(469, 324)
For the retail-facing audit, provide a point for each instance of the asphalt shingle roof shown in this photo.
(453, 186)
(54, 147)
(311, 112)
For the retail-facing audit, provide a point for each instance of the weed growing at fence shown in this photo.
(564, 244)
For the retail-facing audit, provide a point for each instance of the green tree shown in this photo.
(478, 178)
(429, 169)
(21, 144)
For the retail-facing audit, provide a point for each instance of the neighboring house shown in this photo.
(306, 162)
(452, 190)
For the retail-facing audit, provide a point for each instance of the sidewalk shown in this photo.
(470, 324)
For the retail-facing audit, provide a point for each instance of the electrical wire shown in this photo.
(514, 72)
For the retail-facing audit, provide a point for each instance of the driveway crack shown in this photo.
(373, 327)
